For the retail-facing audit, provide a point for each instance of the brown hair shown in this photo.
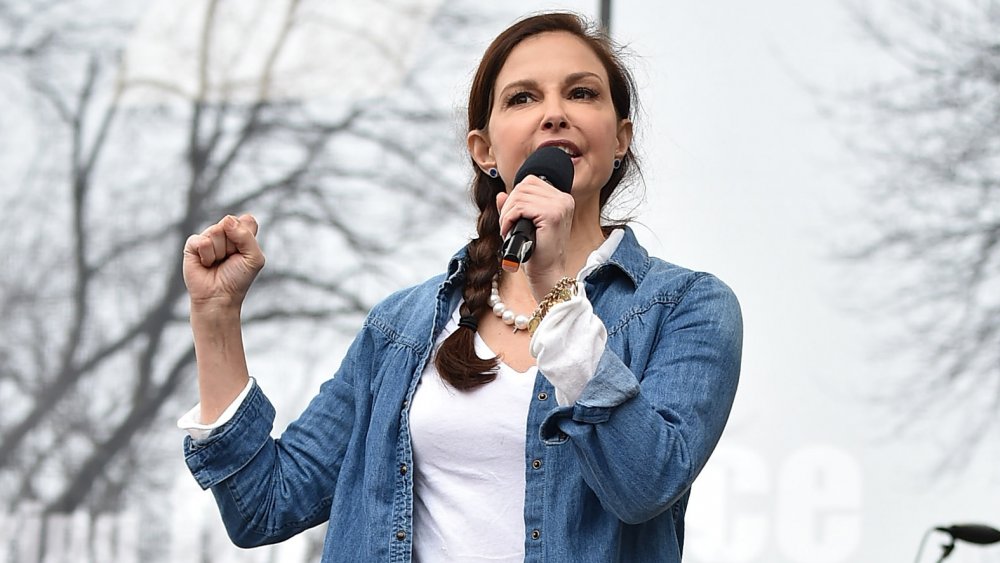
(456, 360)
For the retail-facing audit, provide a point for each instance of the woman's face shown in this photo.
(553, 90)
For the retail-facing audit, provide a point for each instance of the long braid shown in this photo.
(456, 360)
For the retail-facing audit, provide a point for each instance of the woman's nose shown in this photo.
(555, 123)
(555, 117)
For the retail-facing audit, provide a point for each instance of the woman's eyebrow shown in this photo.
(523, 84)
(576, 76)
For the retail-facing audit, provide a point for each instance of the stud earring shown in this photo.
(493, 172)
(617, 163)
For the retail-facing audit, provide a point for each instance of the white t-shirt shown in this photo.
(468, 457)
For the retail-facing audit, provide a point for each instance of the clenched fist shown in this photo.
(222, 262)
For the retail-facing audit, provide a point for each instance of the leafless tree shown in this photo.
(95, 353)
(929, 132)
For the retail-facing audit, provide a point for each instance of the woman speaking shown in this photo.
(550, 408)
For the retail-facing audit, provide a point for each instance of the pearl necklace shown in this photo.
(508, 316)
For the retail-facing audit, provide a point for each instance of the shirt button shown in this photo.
(542, 396)
(537, 464)
(401, 535)
(403, 469)
(535, 534)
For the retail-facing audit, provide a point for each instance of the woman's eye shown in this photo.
(518, 98)
(582, 93)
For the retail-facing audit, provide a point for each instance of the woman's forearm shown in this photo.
(222, 365)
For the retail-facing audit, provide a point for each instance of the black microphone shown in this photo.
(553, 165)
(973, 533)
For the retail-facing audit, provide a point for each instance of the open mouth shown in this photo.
(565, 146)
(567, 150)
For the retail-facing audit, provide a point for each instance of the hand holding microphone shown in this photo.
(551, 165)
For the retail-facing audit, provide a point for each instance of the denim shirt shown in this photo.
(607, 478)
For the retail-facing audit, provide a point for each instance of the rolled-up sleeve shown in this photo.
(234, 444)
(568, 346)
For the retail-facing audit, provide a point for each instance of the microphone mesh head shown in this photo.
(552, 163)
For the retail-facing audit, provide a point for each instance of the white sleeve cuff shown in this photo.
(199, 431)
(568, 344)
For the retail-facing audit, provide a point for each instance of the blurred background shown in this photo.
(837, 163)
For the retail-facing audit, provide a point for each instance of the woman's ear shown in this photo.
(624, 137)
(480, 149)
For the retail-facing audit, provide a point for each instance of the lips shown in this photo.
(569, 148)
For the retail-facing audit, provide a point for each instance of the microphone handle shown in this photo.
(520, 242)
(519, 245)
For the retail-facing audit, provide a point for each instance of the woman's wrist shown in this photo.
(215, 310)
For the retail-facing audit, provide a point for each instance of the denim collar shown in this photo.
(630, 258)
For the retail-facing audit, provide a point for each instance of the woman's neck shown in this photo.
(585, 238)
(586, 235)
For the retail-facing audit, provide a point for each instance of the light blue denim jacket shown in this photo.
(615, 468)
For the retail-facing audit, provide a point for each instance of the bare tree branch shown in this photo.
(96, 348)
(932, 140)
